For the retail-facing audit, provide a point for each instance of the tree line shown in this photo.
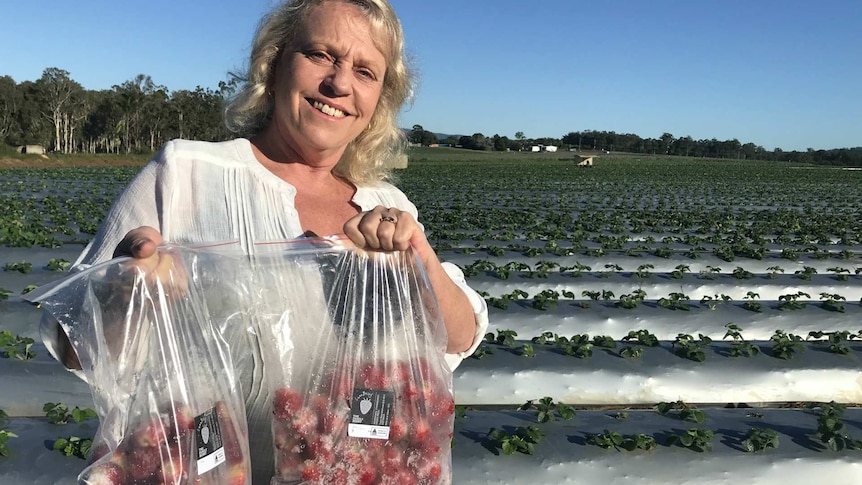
(136, 116)
(139, 115)
(667, 144)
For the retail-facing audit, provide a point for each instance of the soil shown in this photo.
(49, 162)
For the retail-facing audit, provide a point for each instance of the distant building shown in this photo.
(34, 149)
(543, 148)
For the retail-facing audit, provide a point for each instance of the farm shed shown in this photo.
(34, 149)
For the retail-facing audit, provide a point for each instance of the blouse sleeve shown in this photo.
(142, 203)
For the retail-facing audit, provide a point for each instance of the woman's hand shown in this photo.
(141, 244)
(396, 230)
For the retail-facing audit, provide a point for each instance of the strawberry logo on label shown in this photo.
(364, 406)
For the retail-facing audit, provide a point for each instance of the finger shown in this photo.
(368, 225)
(351, 230)
(139, 243)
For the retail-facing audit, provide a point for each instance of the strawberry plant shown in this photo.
(611, 439)
(759, 439)
(527, 350)
(641, 337)
(790, 253)
(643, 271)
(592, 295)
(835, 339)
(522, 440)
(679, 271)
(631, 301)
(545, 338)
(663, 252)
(741, 273)
(629, 352)
(687, 347)
(578, 346)
(16, 346)
(725, 253)
(22, 267)
(545, 299)
(577, 270)
(674, 301)
(505, 338)
(4, 437)
(785, 345)
(841, 274)
(709, 273)
(74, 446)
(58, 264)
(28, 289)
(791, 301)
(481, 352)
(604, 341)
(680, 410)
(546, 407)
(739, 347)
(713, 301)
(750, 303)
(772, 272)
(503, 301)
(832, 302)
(4, 293)
(830, 427)
(697, 439)
(58, 413)
(805, 273)
(4, 434)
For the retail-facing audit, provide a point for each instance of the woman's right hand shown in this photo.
(141, 244)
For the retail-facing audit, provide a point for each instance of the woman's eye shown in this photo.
(318, 56)
(366, 74)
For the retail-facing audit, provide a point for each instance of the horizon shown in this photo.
(776, 74)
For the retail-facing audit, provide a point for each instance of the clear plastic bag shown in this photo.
(160, 371)
(354, 348)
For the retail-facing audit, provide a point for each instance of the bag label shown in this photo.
(370, 414)
(208, 441)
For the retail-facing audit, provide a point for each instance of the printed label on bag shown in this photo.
(370, 414)
(208, 441)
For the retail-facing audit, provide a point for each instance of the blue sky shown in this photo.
(776, 73)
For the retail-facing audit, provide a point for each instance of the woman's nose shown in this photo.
(339, 80)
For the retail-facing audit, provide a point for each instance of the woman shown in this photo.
(318, 118)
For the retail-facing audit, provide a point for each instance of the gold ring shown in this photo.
(388, 219)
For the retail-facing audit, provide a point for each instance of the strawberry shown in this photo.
(237, 474)
(397, 429)
(106, 474)
(305, 422)
(372, 376)
(286, 403)
(311, 472)
(322, 450)
(178, 417)
(144, 463)
(150, 433)
(421, 430)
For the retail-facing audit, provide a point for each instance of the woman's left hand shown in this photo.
(387, 229)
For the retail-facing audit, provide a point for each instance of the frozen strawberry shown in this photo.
(421, 429)
(341, 386)
(372, 376)
(427, 468)
(311, 472)
(144, 463)
(322, 450)
(237, 474)
(286, 403)
(305, 422)
(106, 474)
(149, 434)
(337, 476)
(397, 429)
(177, 418)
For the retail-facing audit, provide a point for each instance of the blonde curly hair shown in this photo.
(370, 155)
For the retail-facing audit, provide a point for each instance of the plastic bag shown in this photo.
(361, 393)
(158, 366)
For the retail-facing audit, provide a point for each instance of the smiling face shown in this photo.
(327, 83)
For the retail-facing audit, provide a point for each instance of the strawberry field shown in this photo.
(653, 320)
